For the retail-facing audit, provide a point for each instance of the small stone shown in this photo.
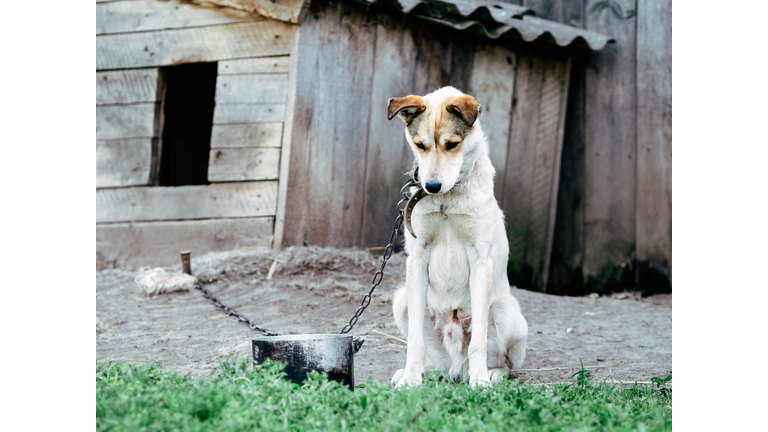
(569, 330)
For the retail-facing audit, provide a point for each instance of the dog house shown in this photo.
(264, 124)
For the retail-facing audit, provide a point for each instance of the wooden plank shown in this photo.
(125, 17)
(126, 86)
(285, 155)
(566, 272)
(252, 88)
(246, 135)
(492, 83)
(218, 200)
(125, 121)
(333, 83)
(610, 146)
(653, 230)
(200, 44)
(568, 239)
(555, 183)
(521, 152)
(320, 169)
(235, 164)
(248, 113)
(352, 98)
(254, 65)
(123, 162)
(158, 243)
(387, 146)
(546, 167)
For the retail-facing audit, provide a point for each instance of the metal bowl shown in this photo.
(332, 354)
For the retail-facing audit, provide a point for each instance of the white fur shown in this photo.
(458, 262)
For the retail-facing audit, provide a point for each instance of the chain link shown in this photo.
(396, 231)
(228, 310)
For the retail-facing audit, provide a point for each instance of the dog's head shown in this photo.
(442, 129)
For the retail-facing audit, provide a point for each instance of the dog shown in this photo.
(455, 309)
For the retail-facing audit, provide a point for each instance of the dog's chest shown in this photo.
(446, 239)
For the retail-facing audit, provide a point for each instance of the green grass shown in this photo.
(238, 397)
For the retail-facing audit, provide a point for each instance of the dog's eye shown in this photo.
(450, 145)
(421, 146)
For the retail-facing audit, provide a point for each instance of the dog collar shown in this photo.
(415, 197)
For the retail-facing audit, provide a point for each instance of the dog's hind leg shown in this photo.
(507, 336)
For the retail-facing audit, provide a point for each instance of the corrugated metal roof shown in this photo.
(494, 20)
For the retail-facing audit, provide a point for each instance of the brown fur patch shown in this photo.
(414, 104)
(466, 107)
(415, 126)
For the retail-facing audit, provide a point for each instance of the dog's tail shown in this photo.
(453, 338)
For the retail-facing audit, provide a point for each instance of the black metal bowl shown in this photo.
(332, 354)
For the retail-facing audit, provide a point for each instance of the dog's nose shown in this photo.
(433, 187)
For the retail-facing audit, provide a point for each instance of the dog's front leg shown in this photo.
(479, 291)
(416, 291)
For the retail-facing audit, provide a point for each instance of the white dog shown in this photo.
(456, 304)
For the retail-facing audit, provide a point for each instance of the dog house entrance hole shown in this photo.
(190, 90)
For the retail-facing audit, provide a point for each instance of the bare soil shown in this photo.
(316, 290)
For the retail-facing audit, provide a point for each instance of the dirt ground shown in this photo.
(316, 290)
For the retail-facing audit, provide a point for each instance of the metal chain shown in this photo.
(207, 294)
(406, 192)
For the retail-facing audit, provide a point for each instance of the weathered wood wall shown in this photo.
(347, 161)
(614, 216)
(139, 223)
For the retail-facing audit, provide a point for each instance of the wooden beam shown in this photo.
(254, 65)
(353, 58)
(285, 155)
(248, 113)
(199, 44)
(387, 147)
(158, 243)
(492, 83)
(134, 16)
(554, 94)
(247, 135)
(532, 174)
(218, 200)
(334, 81)
(237, 164)
(610, 145)
(123, 162)
(521, 153)
(126, 86)
(252, 88)
(653, 229)
(125, 121)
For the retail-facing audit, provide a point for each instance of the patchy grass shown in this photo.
(237, 397)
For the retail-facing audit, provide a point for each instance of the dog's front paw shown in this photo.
(480, 379)
(497, 374)
(396, 377)
(403, 378)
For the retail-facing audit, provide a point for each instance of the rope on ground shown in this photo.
(591, 367)
(390, 336)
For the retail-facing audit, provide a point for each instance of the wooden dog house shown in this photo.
(264, 124)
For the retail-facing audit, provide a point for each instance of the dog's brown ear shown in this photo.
(413, 104)
(465, 107)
